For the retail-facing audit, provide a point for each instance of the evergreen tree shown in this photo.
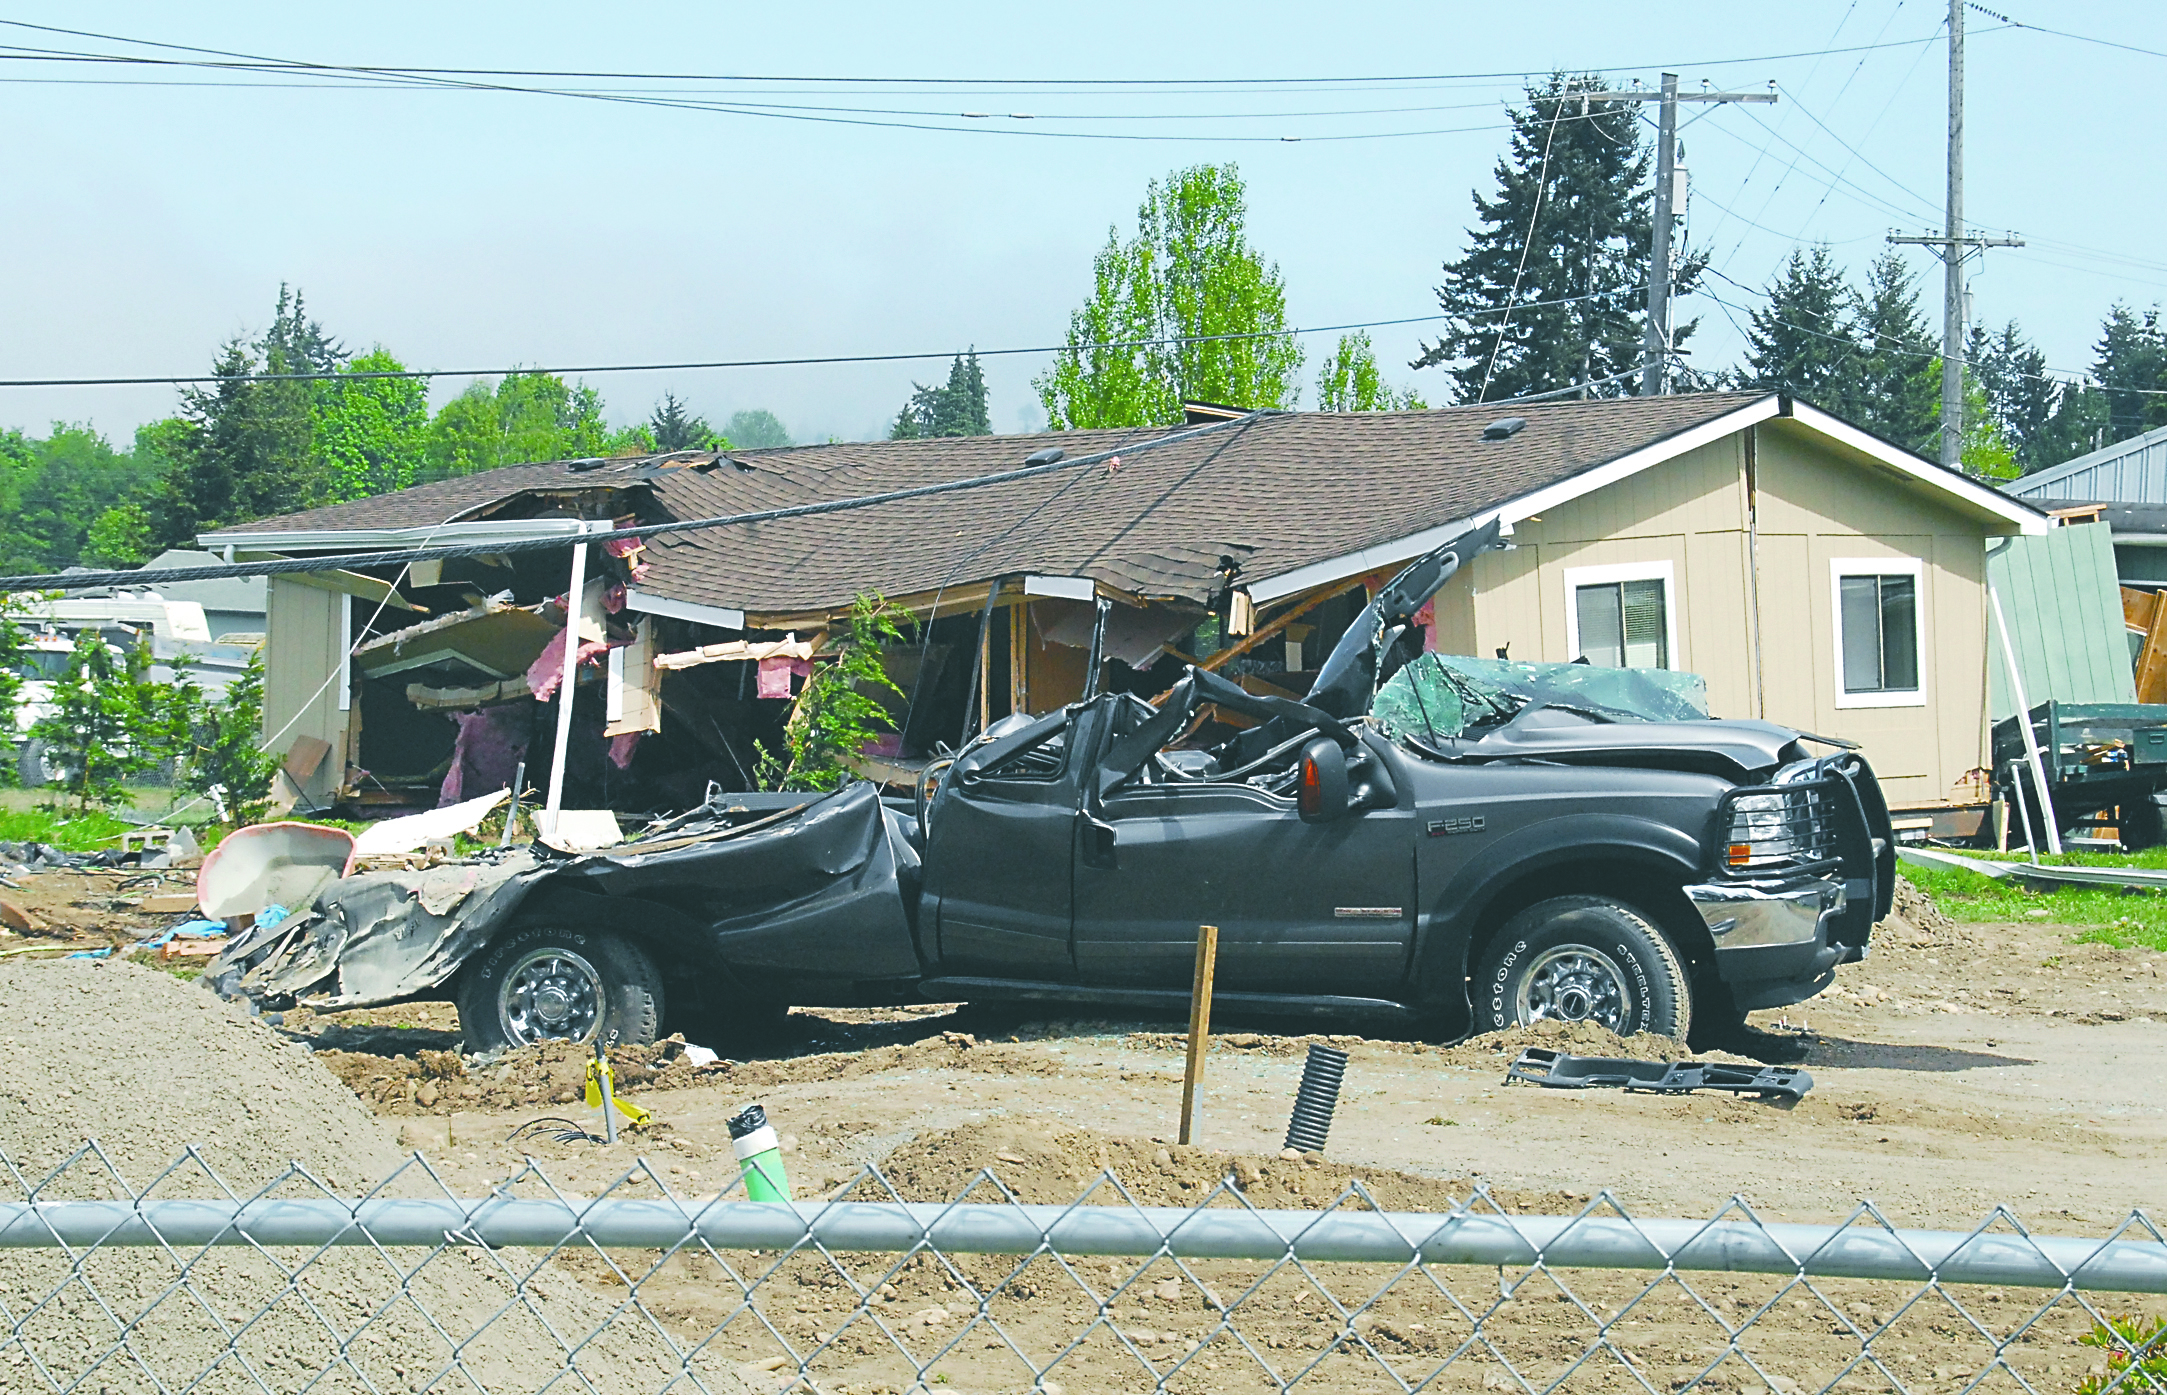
(956, 408)
(2131, 366)
(2024, 401)
(1144, 342)
(1803, 341)
(1570, 222)
(756, 429)
(1896, 390)
(1350, 381)
(249, 445)
(674, 427)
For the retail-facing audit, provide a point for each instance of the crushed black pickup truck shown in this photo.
(1452, 843)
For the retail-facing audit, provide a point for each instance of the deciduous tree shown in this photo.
(1185, 310)
(1350, 381)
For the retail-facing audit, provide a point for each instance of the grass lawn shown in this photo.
(2128, 917)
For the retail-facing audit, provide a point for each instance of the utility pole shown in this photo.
(1655, 339)
(1953, 247)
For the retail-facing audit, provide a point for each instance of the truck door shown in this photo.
(997, 858)
(1301, 908)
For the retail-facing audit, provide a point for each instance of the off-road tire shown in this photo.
(35, 766)
(1639, 978)
(627, 988)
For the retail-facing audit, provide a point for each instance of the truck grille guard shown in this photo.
(1820, 817)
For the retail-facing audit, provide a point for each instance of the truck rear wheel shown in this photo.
(545, 983)
(1583, 959)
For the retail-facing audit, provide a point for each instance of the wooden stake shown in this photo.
(1207, 963)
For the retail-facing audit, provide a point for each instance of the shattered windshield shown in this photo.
(1438, 697)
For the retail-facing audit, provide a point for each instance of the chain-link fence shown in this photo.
(189, 1282)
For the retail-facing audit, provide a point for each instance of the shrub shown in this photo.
(836, 715)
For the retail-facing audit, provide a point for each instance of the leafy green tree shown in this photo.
(121, 537)
(14, 652)
(836, 714)
(1349, 381)
(523, 417)
(1563, 245)
(1187, 275)
(1803, 340)
(52, 492)
(673, 427)
(223, 760)
(955, 408)
(1895, 391)
(373, 432)
(756, 429)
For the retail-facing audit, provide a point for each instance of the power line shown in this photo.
(280, 566)
(930, 81)
(184, 380)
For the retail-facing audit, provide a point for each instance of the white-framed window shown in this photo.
(1622, 616)
(1880, 631)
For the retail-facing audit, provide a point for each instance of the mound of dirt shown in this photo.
(148, 1066)
(555, 1072)
(1917, 910)
(1052, 1167)
(1488, 1049)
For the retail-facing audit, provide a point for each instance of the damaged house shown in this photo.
(1814, 574)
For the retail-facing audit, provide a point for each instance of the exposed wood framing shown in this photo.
(1276, 627)
(1019, 665)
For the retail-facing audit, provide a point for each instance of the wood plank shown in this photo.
(2138, 608)
(2152, 659)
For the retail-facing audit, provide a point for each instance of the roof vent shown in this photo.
(581, 467)
(1044, 457)
(1504, 428)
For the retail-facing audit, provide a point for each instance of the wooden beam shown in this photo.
(2152, 658)
(1019, 667)
(1277, 626)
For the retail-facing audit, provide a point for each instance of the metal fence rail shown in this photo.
(186, 1283)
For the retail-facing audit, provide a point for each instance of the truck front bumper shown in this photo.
(1772, 937)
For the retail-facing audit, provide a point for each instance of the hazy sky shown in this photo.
(474, 228)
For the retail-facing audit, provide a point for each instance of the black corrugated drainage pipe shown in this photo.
(1316, 1099)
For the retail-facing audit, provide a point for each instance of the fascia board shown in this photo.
(2029, 521)
(360, 539)
(1074, 588)
(648, 603)
(1515, 510)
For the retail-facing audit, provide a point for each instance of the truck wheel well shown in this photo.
(1651, 888)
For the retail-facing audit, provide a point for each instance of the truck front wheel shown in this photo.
(544, 983)
(1583, 959)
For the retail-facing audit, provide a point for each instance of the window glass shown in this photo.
(1623, 624)
(1880, 619)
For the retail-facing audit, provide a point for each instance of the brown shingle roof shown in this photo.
(1277, 493)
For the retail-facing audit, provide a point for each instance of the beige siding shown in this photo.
(301, 650)
(1815, 503)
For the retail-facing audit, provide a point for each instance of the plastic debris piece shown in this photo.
(1556, 1070)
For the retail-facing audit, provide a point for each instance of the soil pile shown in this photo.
(1918, 911)
(148, 1066)
(1053, 1167)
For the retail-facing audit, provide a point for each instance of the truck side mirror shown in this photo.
(1321, 795)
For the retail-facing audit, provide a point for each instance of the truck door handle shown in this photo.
(1097, 843)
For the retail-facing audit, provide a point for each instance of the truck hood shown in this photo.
(1735, 750)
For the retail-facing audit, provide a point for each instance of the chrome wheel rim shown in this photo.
(1573, 983)
(550, 995)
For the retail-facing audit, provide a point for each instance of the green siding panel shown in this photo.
(2063, 603)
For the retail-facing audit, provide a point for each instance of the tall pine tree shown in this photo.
(2131, 366)
(1563, 245)
(2032, 409)
(1896, 393)
(1802, 341)
(956, 408)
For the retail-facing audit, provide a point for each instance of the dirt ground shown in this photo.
(1959, 1068)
